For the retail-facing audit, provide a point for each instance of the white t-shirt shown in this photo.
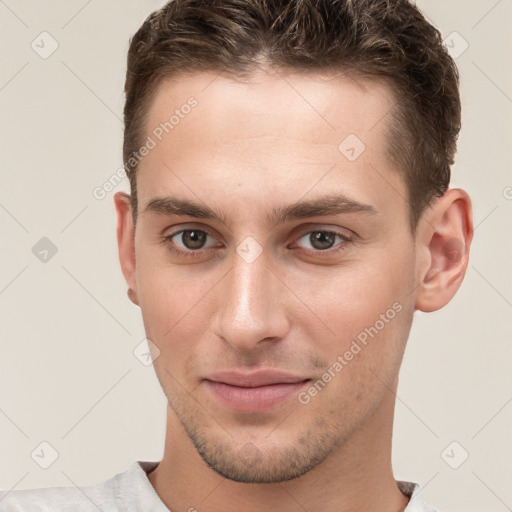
(129, 491)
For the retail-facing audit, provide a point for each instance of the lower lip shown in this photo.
(254, 399)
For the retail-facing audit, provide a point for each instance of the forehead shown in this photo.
(309, 106)
(277, 133)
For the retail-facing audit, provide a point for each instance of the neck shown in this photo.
(356, 476)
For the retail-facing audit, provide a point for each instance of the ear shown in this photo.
(444, 236)
(126, 242)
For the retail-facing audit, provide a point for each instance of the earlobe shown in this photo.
(132, 296)
(126, 242)
(450, 228)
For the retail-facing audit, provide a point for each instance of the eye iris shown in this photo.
(322, 239)
(193, 239)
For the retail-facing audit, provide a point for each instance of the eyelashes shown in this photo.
(185, 252)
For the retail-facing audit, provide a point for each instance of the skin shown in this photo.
(245, 149)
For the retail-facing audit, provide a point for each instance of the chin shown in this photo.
(258, 465)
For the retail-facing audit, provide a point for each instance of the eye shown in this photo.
(188, 241)
(191, 242)
(323, 240)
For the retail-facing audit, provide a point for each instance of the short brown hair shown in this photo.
(390, 39)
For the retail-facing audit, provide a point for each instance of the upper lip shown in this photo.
(256, 378)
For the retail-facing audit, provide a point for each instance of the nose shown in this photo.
(250, 305)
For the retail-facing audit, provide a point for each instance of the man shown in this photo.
(290, 210)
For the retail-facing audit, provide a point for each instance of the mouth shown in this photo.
(255, 391)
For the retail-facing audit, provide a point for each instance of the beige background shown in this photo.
(68, 375)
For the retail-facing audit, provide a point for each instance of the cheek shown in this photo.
(175, 309)
(363, 301)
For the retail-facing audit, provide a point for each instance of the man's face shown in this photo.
(257, 293)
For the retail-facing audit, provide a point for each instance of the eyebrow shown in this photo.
(332, 204)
